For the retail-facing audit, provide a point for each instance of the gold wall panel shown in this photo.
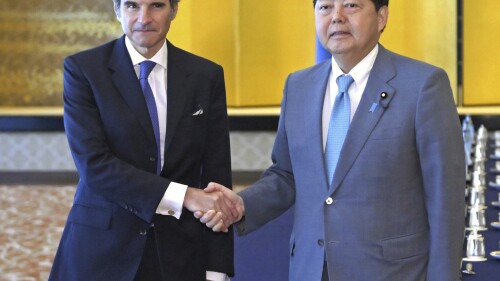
(208, 29)
(425, 30)
(481, 62)
(258, 43)
(35, 36)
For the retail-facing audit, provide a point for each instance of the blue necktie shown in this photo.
(146, 68)
(339, 124)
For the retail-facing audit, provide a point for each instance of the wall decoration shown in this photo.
(35, 37)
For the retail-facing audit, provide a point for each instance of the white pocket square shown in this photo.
(198, 112)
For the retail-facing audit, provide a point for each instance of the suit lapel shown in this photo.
(127, 83)
(177, 92)
(319, 82)
(304, 111)
(366, 116)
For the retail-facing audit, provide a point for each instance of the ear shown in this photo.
(117, 11)
(383, 15)
(174, 11)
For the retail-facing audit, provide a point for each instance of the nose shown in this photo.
(144, 16)
(338, 14)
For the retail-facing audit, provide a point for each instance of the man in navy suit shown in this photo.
(132, 213)
(394, 207)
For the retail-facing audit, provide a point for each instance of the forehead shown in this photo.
(143, 1)
(362, 3)
(341, 1)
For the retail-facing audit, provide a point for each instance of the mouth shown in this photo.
(143, 28)
(339, 33)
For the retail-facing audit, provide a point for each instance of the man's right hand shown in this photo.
(197, 200)
(232, 200)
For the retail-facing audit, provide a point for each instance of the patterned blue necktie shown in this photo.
(339, 124)
(146, 68)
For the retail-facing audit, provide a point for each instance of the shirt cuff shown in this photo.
(172, 201)
(217, 276)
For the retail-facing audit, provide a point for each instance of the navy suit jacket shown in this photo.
(395, 209)
(113, 145)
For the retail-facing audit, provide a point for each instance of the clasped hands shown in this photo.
(216, 206)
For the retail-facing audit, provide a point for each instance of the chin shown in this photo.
(337, 49)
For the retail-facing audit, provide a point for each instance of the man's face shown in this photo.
(349, 28)
(146, 23)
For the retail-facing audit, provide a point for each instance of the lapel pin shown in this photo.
(383, 95)
(374, 106)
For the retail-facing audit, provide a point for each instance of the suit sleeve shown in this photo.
(216, 167)
(441, 151)
(274, 193)
(101, 171)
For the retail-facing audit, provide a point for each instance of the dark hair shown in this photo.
(378, 3)
(172, 2)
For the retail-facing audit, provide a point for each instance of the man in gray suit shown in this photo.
(394, 207)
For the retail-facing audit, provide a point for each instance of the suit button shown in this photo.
(241, 228)
(329, 201)
(152, 159)
(143, 232)
(321, 242)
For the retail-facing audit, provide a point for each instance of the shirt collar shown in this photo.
(361, 70)
(160, 57)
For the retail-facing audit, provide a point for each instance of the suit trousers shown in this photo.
(150, 268)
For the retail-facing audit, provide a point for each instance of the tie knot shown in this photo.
(344, 82)
(146, 68)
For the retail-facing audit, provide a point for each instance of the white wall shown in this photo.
(36, 151)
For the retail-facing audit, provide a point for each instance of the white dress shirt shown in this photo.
(172, 201)
(360, 74)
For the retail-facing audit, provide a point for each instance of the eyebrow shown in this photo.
(159, 3)
(128, 2)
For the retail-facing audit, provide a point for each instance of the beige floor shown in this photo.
(31, 223)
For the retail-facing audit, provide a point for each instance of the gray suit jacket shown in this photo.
(397, 199)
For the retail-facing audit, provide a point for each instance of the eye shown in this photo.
(324, 9)
(351, 5)
(130, 5)
(158, 5)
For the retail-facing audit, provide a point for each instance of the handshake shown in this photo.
(216, 206)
